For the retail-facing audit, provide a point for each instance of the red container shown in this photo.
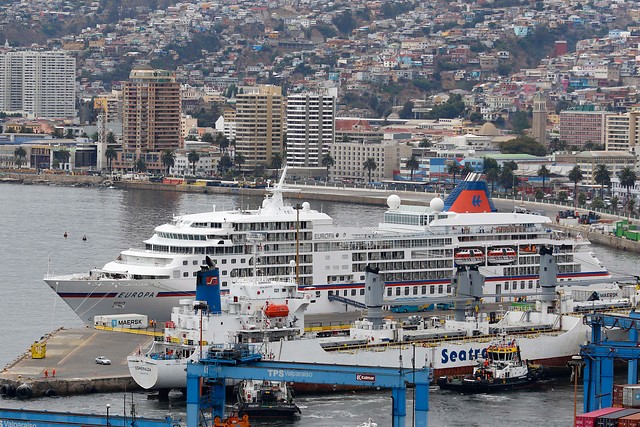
(589, 419)
(630, 421)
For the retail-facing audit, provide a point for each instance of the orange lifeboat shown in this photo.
(276, 310)
(469, 256)
(501, 255)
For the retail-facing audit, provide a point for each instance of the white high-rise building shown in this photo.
(310, 128)
(41, 84)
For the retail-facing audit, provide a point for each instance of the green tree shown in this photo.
(489, 163)
(520, 122)
(168, 158)
(412, 163)
(370, 165)
(614, 203)
(224, 164)
(239, 160)
(582, 198)
(207, 137)
(111, 138)
(523, 145)
(602, 177)
(141, 165)
(466, 170)
(575, 176)
(69, 134)
(327, 162)
(557, 145)
(454, 107)
(453, 169)
(407, 110)
(544, 173)
(344, 22)
(20, 153)
(111, 155)
(493, 175)
(63, 156)
(628, 180)
(193, 158)
(276, 162)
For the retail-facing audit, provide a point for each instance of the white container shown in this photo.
(129, 321)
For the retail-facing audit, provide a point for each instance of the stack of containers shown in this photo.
(618, 391)
(631, 396)
(612, 419)
(589, 419)
(630, 421)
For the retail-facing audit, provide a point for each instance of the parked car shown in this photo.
(411, 308)
(101, 360)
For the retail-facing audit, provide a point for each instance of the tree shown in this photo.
(111, 138)
(20, 154)
(69, 134)
(168, 158)
(207, 137)
(452, 169)
(614, 203)
(407, 110)
(628, 179)
(193, 158)
(141, 165)
(225, 164)
(276, 163)
(327, 162)
(239, 160)
(557, 145)
(507, 178)
(493, 175)
(466, 170)
(63, 156)
(520, 122)
(602, 177)
(111, 155)
(575, 176)
(489, 163)
(523, 145)
(370, 165)
(544, 173)
(413, 164)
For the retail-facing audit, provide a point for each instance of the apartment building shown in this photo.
(350, 157)
(623, 131)
(39, 84)
(310, 128)
(259, 125)
(578, 127)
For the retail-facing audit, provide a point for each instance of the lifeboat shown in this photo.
(469, 257)
(276, 310)
(531, 249)
(501, 255)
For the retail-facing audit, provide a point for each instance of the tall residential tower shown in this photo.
(310, 128)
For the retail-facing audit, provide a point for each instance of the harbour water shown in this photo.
(35, 219)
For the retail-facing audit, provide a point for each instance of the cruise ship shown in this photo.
(417, 248)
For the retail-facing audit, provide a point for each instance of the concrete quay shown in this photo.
(71, 353)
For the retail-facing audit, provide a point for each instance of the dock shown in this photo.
(69, 367)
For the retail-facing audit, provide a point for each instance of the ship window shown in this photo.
(530, 284)
(330, 293)
(185, 274)
(195, 273)
(415, 290)
(353, 292)
(317, 294)
(224, 261)
(397, 291)
(440, 289)
(362, 291)
(406, 290)
(389, 292)
(432, 290)
(224, 272)
(344, 293)
(195, 262)
(233, 260)
(522, 284)
(506, 286)
(424, 290)
(185, 262)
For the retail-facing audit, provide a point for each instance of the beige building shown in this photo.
(151, 116)
(623, 131)
(588, 161)
(259, 125)
(349, 159)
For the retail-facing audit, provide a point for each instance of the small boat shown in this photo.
(469, 256)
(501, 255)
(368, 423)
(503, 369)
(265, 399)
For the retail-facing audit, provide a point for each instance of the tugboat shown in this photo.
(502, 369)
(265, 399)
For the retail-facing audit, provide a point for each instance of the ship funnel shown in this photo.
(374, 294)
(208, 289)
(548, 275)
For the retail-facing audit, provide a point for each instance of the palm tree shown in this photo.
(452, 169)
(544, 173)
(466, 170)
(20, 154)
(69, 134)
(575, 176)
(370, 165)
(111, 138)
(239, 160)
(168, 158)
(602, 177)
(276, 163)
(413, 164)
(493, 174)
(628, 179)
(141, 165)
(193, 158)
(111, 155)
(327, 162)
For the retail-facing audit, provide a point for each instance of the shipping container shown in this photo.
(611, 420)
(130, 321)
(631, 396)
(589, 419)
(630, 421)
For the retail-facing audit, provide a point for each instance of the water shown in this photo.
(35, 219)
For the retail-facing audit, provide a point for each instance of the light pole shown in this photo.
(108, 406)
(576, 364)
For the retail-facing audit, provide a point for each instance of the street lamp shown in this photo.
(108, 406)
